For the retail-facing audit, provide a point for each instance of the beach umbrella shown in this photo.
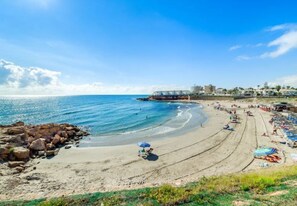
(264, 152)
(143, 144)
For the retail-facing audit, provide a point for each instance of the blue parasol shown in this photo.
(143, 144)
(264, 152)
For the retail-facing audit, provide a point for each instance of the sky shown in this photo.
(67, 47)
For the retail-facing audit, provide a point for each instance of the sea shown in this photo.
(111, 119)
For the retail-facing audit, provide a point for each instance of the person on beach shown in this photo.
(264, 134)
(274, 131)
(141, 152)
(149, 151)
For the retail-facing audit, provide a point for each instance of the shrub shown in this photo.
(169, 195)
(110, 201)
(55, 202)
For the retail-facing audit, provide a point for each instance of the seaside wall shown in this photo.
(216, 97)
(204, 97)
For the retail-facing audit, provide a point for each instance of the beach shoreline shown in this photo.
(169, 129)
(205, 151)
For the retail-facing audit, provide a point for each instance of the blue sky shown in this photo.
(137, 46)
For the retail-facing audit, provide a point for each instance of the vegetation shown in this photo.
(273, 186)
(292, 100)
(11, 150)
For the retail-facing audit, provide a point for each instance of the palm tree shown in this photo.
(278, 87)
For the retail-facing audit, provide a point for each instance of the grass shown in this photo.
(253, 188)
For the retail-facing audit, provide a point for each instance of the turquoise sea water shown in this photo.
(111, 119)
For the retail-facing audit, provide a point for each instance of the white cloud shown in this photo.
(18, 80)
(243, 58)
(287, 80)
(284, 44)
(19, 77)
(255, 45)
(235, 47)
(283, 27)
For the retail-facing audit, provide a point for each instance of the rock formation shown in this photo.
(20, 142)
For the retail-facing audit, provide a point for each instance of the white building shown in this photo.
(172, 93)
(269, 92)
(288, 92)
(220, 91)
(247, 92)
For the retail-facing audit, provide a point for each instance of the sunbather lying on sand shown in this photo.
(226, 126)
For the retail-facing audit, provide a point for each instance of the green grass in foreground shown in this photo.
(274, 186)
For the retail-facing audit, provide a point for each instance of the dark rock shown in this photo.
(16, 139)
(48, 139)
(79, 134)
(32, 177)
(56, 139)
(50, 146)
(63, 134)
(67, 146)
(57, 151)
(30, 139)
(21, 153)
(45, 126)
(76, 129)
(15, 163)
(50, 153)
(15, 130)
(19, 124)
(22, 142)
(19, 169)
(38, 145)
(4, 151)
(11, 157)
(70, 133)
(63, 140)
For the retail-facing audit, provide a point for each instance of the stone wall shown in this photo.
(205, 97)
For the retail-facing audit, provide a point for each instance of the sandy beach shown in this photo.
(206, 151)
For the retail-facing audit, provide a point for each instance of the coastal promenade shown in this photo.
(206, 151)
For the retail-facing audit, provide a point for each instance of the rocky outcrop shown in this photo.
(15, 130)
(20, 142)
(38, 145)
(15, 163)
(21, 153)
